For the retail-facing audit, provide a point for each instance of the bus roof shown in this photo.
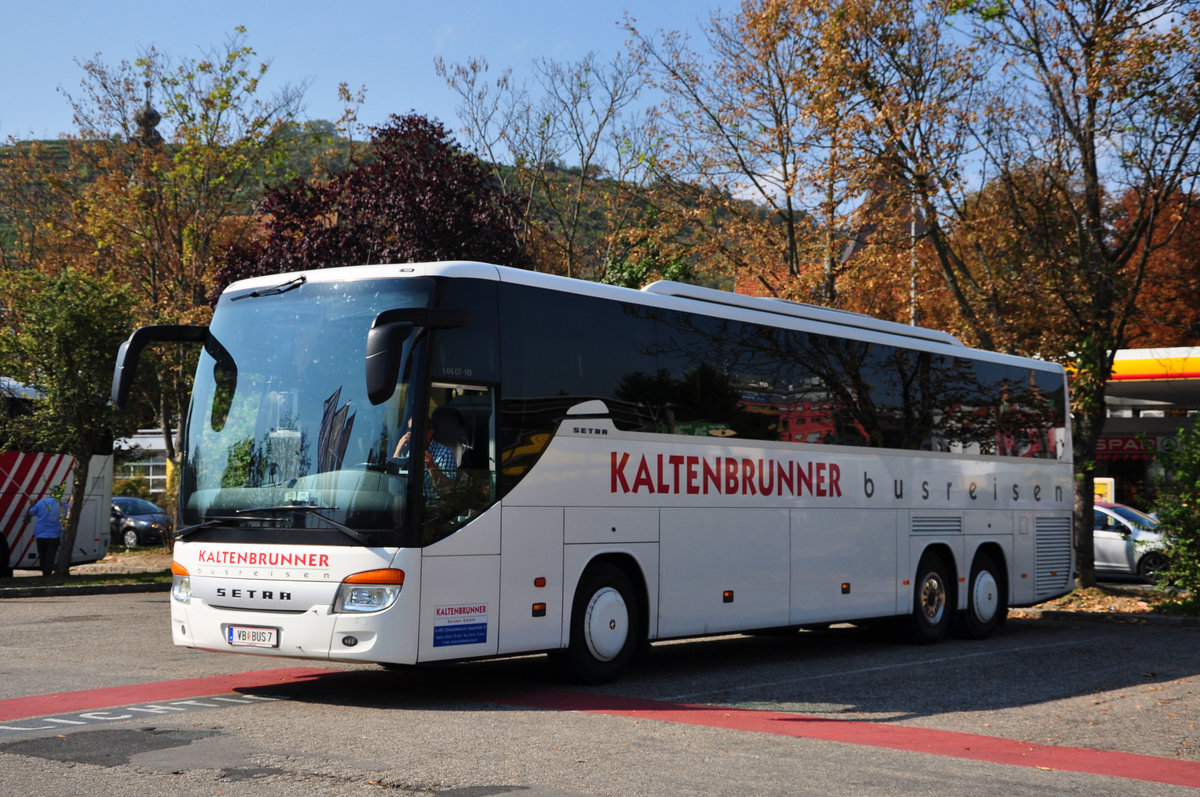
(811, 312)
(692, 298)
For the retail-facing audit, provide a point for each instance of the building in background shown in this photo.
(143, 456)
(1151, 395)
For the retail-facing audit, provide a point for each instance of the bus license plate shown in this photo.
(253, 636)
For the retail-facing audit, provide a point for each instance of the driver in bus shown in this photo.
(442, 452)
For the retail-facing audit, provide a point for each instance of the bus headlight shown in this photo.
(181, 583)
(370, 591)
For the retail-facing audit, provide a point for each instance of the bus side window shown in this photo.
(471, 488)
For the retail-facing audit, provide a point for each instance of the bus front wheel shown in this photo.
(604, 625)
(932, 601)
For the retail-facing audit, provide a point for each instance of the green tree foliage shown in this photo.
(413, 195)
(1178, 509)
(60, 338)
(163, 205)
(178, 151)
(645, 257)
(137, 487)
(168, 158)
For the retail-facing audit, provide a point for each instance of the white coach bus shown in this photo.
(426, 462)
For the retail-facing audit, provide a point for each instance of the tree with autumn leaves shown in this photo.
(1043, 157)
(757, 120)
(119, 225)
(1166, 310)
(1021, 174)
(159, 178)
(412, 195)
(1091, 133)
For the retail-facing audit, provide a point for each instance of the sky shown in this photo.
(388, 47)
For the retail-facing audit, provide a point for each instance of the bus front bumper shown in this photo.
(317, 633)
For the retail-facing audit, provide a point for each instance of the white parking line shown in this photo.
(117, 713)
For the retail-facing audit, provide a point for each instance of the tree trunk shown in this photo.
(62, 567)
(1089, 416)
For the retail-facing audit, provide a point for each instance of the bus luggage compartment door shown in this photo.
(531, 585)
(723, 570)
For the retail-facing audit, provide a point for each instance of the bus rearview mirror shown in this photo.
(131, 349)
(385, 346)
(385, 343)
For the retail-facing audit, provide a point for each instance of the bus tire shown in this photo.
(604, 625)
(933, 608)
(985, 599)
(5, 565)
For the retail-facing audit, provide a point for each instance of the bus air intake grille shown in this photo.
(937, 525)
(1053, 554)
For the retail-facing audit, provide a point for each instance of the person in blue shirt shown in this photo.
(49, 512)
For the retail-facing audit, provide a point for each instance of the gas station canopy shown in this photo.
(1156, 379)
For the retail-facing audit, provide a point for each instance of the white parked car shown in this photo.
(1127, 541)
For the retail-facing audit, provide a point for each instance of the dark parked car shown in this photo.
(136, 521)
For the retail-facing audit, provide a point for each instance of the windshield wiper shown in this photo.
(278, 289)
(357, 536)
(208, 523)
(242, 515)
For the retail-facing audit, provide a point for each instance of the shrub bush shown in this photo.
(1178, 509)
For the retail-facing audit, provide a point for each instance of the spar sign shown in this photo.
(1130, 446)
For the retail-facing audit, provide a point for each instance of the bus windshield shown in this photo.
(282, 443)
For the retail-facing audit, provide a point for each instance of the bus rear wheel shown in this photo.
(985, 600)
(932, 601)
(604, 625)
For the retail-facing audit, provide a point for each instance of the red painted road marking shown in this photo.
(895, 737)
(108, 697)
